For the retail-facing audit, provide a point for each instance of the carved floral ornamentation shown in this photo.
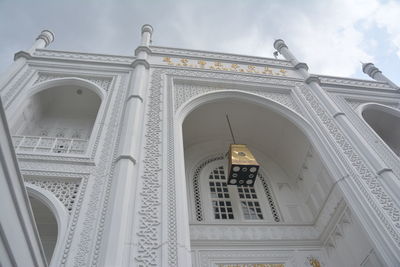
(365, 179)
(103, 83)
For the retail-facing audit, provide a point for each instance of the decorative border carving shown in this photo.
(149, 208)
(68, 170)
(367, 182)
(355, 103)
(196, 186)
(171, 197)
(65, 190)
(353, 82)
(117, 115)
(207, 257)
(97, 205)
(186, 91)
(218, 56)
(16, 87)
(252, 232)
(369, 134)
(83, 56)
(101, 82)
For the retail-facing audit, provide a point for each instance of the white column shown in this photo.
(45, 38)
(119, 245)
(19, 240)
(376, 74)
(389, 180)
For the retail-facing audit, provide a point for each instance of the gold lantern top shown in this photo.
(243, 167)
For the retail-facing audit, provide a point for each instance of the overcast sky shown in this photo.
(332, 37)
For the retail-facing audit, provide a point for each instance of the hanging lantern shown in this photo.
(243, 167)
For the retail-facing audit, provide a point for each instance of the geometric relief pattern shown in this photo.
(247, 258)
(271, 202)
(369, 134)
(16, 88)
(149, 210)
(95, 210)
(65, 190)
(101, 82)
(355, 103)
(185, 91)
(196, 186)
(369, 183)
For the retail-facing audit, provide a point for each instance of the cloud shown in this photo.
(387, 16)
(330, 36)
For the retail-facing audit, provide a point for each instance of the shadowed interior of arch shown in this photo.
(46, 224)
(294, 170)
(386, 125)
(62, 117)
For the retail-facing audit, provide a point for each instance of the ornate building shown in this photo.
(124, 160)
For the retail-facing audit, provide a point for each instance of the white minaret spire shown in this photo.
(45, 38)
(147, 31)
(376, 74)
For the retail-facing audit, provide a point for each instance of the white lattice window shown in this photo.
(215, 200)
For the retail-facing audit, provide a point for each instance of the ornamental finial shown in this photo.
(47, 36)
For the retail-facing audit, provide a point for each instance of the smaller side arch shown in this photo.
(70, 81)
(58, 210)
(384, 121)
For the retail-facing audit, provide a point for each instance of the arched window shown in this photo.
(215, 200)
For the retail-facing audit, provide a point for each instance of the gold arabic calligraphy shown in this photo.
(217, 65)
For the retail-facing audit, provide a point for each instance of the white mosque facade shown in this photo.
(123, 161)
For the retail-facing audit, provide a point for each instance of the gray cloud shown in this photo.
(321, 33)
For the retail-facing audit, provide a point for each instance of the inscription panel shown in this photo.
(250, 265)
(226, 66)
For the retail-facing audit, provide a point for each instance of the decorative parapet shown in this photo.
(39, 144)
(347, 82)
(166, 51)
(53, 54)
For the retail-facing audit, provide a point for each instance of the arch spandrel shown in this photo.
(185, 92)
(52, 82)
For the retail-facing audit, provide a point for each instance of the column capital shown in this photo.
(370, 69)
(312, 78)
(147, 28)
(279, 44)
(47, 36)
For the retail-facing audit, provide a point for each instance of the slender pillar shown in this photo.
(119, 246)
(45, 38)
(19, 239)
(389, 181)
(376, 74)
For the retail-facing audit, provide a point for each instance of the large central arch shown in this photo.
(321, 156)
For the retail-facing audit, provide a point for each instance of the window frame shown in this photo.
(206, 200)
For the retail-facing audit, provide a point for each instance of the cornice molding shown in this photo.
(142, 48)
(219, 56)
(143, 62)
(89, 57)
(22, 54)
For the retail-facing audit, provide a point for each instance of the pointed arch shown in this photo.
(298, 212)
(385, 122)
(50, 207)
(57, 116)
